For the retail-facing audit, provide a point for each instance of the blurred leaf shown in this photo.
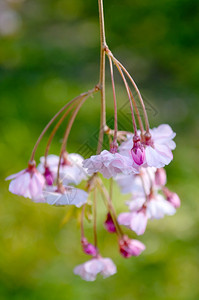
(68, 216)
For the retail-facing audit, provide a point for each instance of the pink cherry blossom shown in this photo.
(158, 148)
(138, 184)
(134, 150)
(158, 207)
(142, 208)
(71, 170)
(130, 247)
(65, 195)
(109, 164)
(89, 270)
(136, 221)
(28, 183)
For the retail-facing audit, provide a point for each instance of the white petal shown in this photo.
(109, 267)
(153, 158)
(139, 222)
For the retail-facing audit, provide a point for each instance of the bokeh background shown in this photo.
(49, 53)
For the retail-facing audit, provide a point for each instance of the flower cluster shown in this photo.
(37, 183)
(137, 167)
(150, 198)
(135, 160)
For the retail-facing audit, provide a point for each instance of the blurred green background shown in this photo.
(49, 53)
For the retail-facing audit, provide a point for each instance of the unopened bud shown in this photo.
(109, 224)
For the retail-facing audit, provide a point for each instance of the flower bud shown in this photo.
(174, 199)
(138, 152)
(48, 176)
(88, 248)
(109, 224)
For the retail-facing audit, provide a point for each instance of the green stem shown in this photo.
(55, 130)
(51, 121)
(102, 76)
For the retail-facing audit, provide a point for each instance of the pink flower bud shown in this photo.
(160, 177)
(174, 199)
(109, 224)
(130, 247)
(88, 248)
(138, 152)
(48, 176)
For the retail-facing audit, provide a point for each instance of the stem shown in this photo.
(82, 221)
(95, 218)
(115, 103)
(110, 206)
(129, 96)
(144, 187)
(102, 76)
(51, 121)
(67, 132)
(137, 90)
(71, 121)
(101, 22)
(111, 189)
(55, 130)
(137, 112)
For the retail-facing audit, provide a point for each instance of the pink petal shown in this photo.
(138, 222)
(124, 219)
(136, 247)
(15, 175)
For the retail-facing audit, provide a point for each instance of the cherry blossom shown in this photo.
(158, 207)
(152, 150)
(89, 270)
(143, 208)
(129, 247)
(138, 184)
(71, 170)
(65, 195)
(136, 221)
(28, 183)
(109, 164)
(158, 147)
